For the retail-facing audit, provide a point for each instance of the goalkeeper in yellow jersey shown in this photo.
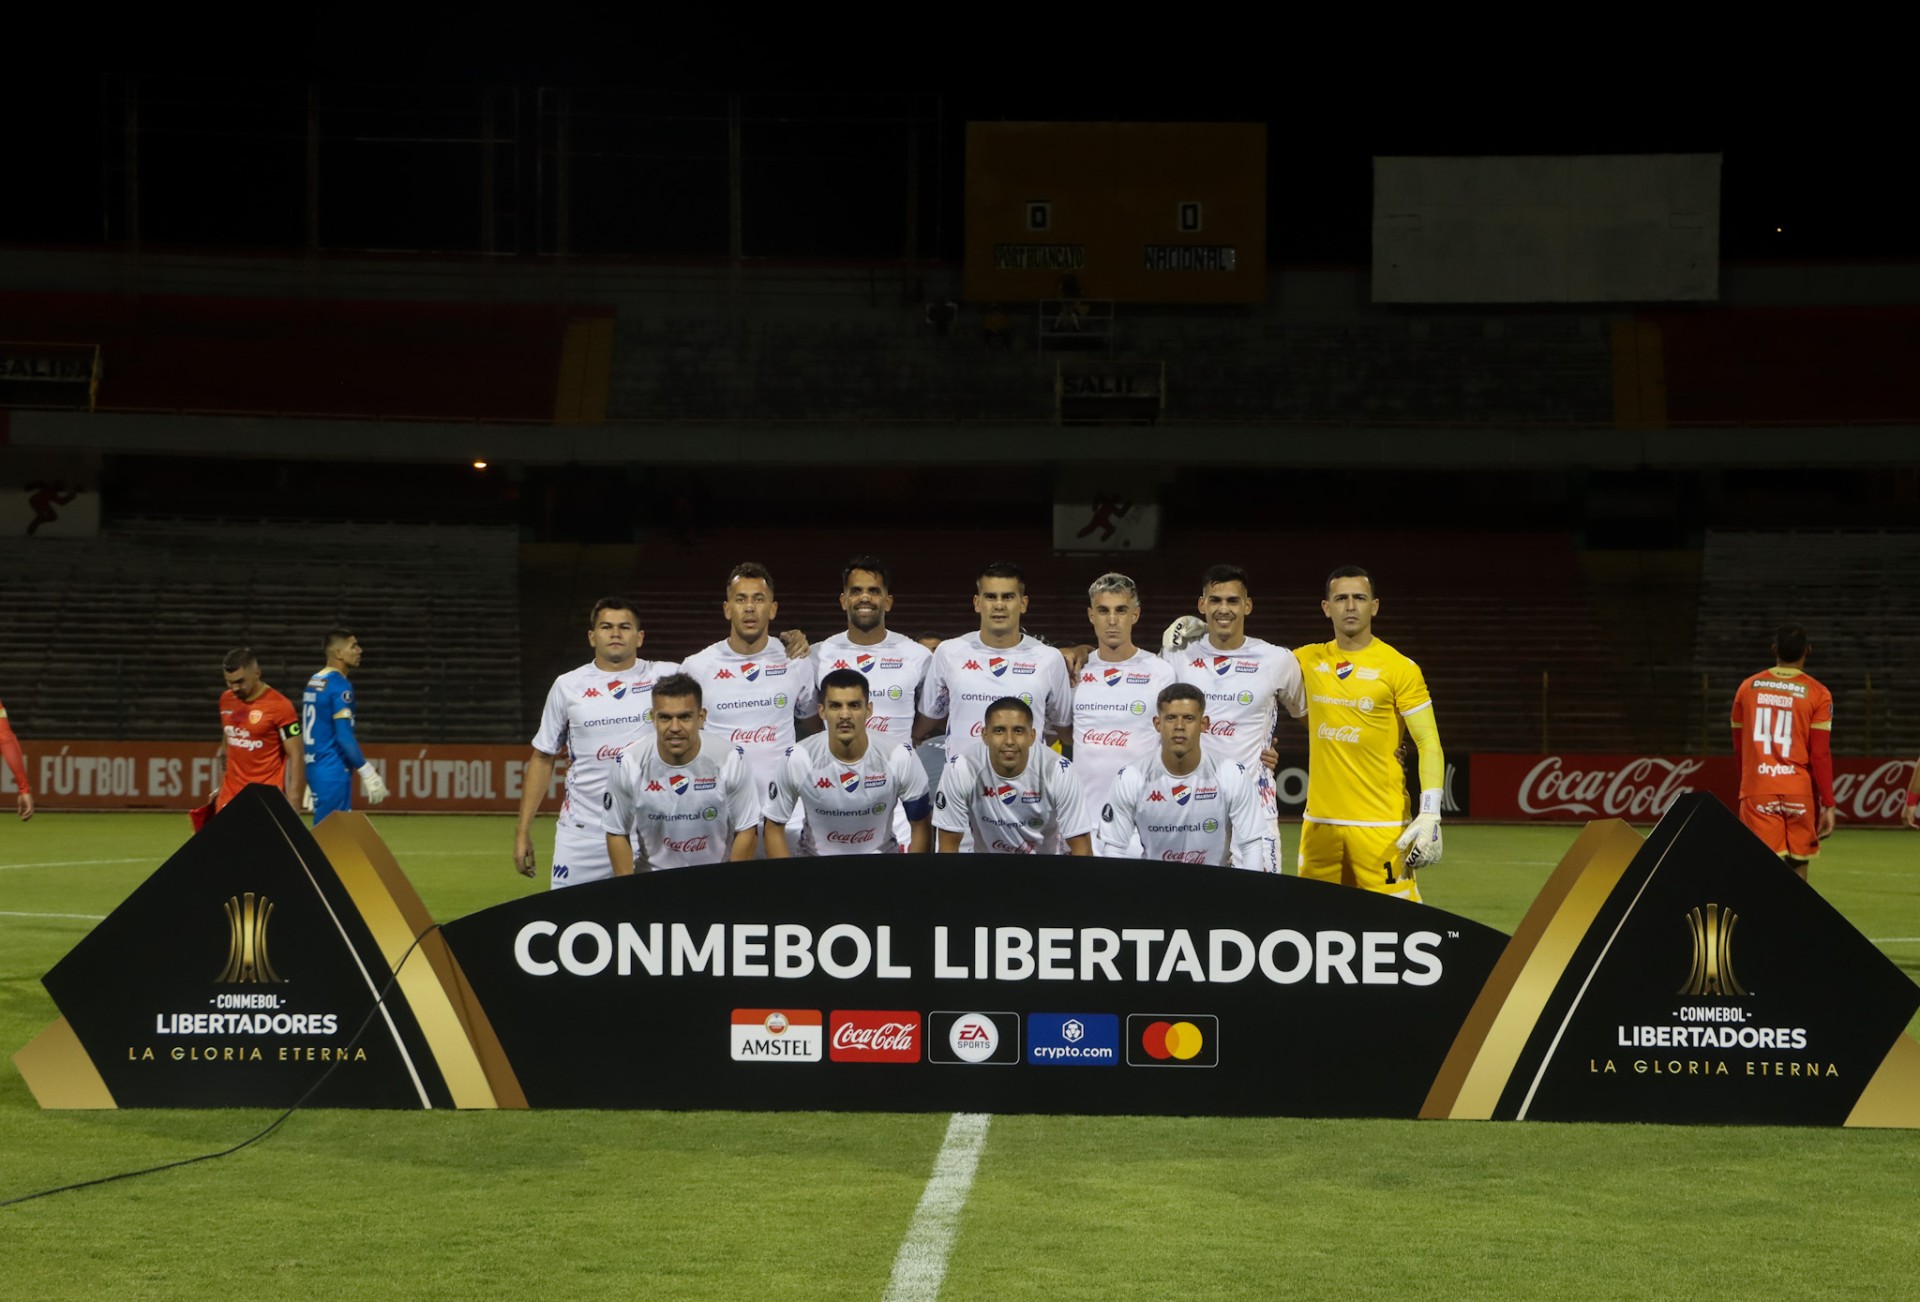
(1362, 696)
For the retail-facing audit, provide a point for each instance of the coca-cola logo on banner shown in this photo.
(1645, 787)
(866, 1035)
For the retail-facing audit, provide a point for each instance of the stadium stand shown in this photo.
(122, 635)
(1852, 590)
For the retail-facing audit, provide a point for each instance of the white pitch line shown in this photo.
(1894, 940)
(90, 917)
(920, 1267)
(73, 863)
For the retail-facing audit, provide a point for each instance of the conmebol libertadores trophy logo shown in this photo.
(1712, 971)
(247, 960)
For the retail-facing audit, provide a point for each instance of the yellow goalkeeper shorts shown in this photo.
(1357, 856)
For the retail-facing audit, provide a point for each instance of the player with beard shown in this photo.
(676, 796)
(592, 714)
(1245, 681)
(1181, 804)
(847, 784)
(1008, 795)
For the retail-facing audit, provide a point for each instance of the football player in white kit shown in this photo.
(1113, 718)
(1181, 804)
(753, 690)
(847, 783)
(1009, 795)
(1245, 681)
(592, 714)
(971, 671)
(892, 663)
(678, 796)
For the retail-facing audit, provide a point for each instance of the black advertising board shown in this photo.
(1686, 977)
(1269, 994)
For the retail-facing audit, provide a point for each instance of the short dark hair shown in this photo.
(680, 685)
(846, 678)
(335, 636)
(238, 658)
(1180, 692)
(1001, 570)
(613, 602)
(1225, 574)
(872, 565)
(1009, 703)
(751, 570)
(1351, 572)
(1789, 643)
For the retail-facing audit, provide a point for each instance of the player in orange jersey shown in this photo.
(17, 761)
(1782, 725)
(263, 733)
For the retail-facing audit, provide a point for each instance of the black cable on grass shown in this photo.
(272, 1126)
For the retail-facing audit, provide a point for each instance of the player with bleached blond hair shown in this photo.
(1362, 697)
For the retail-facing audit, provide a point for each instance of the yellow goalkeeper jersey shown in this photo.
(1355, 704)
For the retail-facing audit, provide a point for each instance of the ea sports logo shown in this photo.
(973, 1037)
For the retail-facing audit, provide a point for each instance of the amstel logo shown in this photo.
(247, 961)
(1712, 972)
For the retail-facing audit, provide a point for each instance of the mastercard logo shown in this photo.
(1173, 1040)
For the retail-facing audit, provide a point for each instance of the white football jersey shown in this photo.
(751, 701)
(966, 675)
(1034, 813)
(679, 814)
(591, 716)
(848, 803)
(1211, 815)
(894, 667)
(1241, 686)
(1113, 707)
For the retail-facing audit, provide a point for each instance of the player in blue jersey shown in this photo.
(326, 713)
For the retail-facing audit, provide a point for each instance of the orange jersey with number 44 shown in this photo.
(1775, 713)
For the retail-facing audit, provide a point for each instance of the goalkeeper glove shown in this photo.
(372, 783)
(306, 800)
(1182, 633)
(1421, 840)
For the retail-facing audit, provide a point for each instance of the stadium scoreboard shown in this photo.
(1132, 212)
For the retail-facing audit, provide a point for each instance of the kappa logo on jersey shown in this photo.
(839, 664)
(1173, 1040)
(850, 782)
(1182, 793)
(1088, 678)
(652, 785)
(750, 672)
(1113, 677)
(824, 784)
(1342, 668)
(724, 673)
(1155, 795)
(997, 666)
(776, 1035)
(679, 783)
(863, 663)
(591, 691)
(974, 1038)
(971, 664)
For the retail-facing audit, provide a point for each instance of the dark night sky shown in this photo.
(224, 163)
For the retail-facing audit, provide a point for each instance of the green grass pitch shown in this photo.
(803, 1205)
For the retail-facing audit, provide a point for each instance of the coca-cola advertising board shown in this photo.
(1868, 791)
(125, 775)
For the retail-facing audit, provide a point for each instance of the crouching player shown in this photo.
(1013, 796)
(847, 786)
(1185, 805)
(680, 801)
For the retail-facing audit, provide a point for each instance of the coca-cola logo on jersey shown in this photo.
(872, 1035)
(1112, 737)
(1184, 856)
(1221, 729)
(1879, 794)
(692, 845)
(1002, 847)
(862, 837)
(756, 736)
(608, 752)
(1644, 787)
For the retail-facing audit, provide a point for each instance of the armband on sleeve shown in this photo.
(1433, 761)
(918, 810)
